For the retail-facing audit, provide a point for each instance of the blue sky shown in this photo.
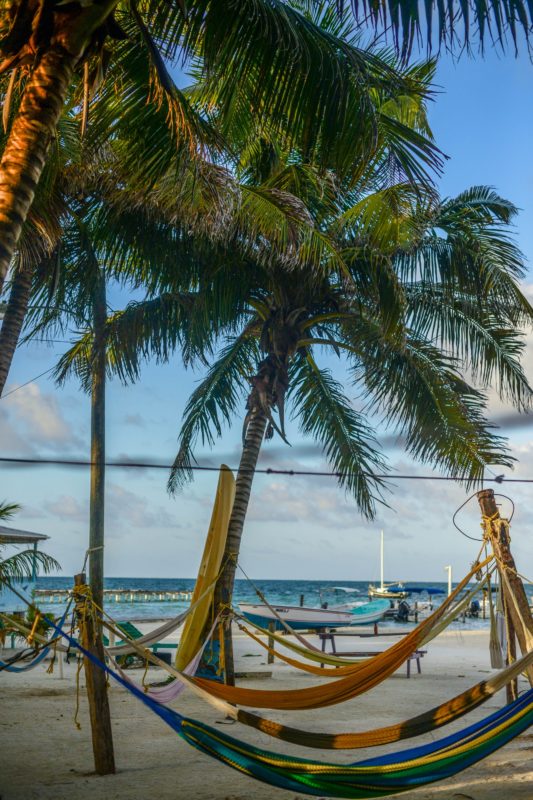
(298, 527)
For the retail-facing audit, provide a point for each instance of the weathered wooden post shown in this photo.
(518, 615)
(271, 629)
(102, 738)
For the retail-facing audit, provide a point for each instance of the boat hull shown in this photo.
(305, 618)
(387, 594)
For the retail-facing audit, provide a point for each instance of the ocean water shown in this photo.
(278, 592)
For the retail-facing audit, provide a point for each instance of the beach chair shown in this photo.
(133, 633)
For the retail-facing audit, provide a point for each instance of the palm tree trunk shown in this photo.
(17, 306)
(243, 487)
(35, 123)
(96, 680)
(27, 145)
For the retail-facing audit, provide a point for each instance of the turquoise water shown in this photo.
(276, 591)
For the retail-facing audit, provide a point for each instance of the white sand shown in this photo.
(43, 755)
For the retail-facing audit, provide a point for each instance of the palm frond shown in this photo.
(453, 25)
(213, 403)
(325, 413)
(279, 67)
(77, 361)
(487, 348)
(20, 566)
(7, 510)
(420, 392)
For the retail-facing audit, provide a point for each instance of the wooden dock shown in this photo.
(120, 596)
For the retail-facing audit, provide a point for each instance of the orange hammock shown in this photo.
(360, 677)
(429, 721)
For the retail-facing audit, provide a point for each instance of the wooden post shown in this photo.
(271, 629)
(512, 687)
(517, 607)
(104, 760)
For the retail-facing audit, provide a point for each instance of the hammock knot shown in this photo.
(84, 611)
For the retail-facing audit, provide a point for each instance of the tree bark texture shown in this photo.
(17, 306)
(58, 43)
(102, 736)
(27, 145)
(243, 487)
(518, 613)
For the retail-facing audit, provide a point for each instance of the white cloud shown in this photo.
(11, 442)
(125, 508)
(68, 507)
(38, 420)
(134, 419)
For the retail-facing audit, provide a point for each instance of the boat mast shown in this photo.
(382, 563)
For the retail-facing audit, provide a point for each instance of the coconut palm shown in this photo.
(286, 60)
(36, 258)
(424, 293)
(21, 565)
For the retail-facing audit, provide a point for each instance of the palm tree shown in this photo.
(286, 60)
(141, 144)
(85, 303)
(422, 291)
(36, 258)
(21, 565)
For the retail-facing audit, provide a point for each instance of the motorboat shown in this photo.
(307, 618)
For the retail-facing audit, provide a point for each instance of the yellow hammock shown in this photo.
(194, 628)
(363, 676)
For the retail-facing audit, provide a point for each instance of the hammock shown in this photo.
(10, 666)
(346, 666)
(312, 653)
(362, 676)
(169, 691)
(376, 777)
(193, 632)
(428, 721)
(153, 637)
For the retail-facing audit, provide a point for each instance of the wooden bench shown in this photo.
(330, 636)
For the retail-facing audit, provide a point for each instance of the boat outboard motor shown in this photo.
(402, 615)
(474, 609)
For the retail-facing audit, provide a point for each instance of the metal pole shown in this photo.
(449, 568)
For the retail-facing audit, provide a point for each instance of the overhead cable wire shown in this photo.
(22, 385)
(75, 462)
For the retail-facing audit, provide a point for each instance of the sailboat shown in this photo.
(387, 591)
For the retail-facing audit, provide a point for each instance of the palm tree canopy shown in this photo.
(268, 60)
(420, 298)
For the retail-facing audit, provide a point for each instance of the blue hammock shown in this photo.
(390, 773)
(8, 666)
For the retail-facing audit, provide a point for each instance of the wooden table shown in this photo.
(330, 636)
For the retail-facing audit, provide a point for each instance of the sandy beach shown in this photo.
(45, 756)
